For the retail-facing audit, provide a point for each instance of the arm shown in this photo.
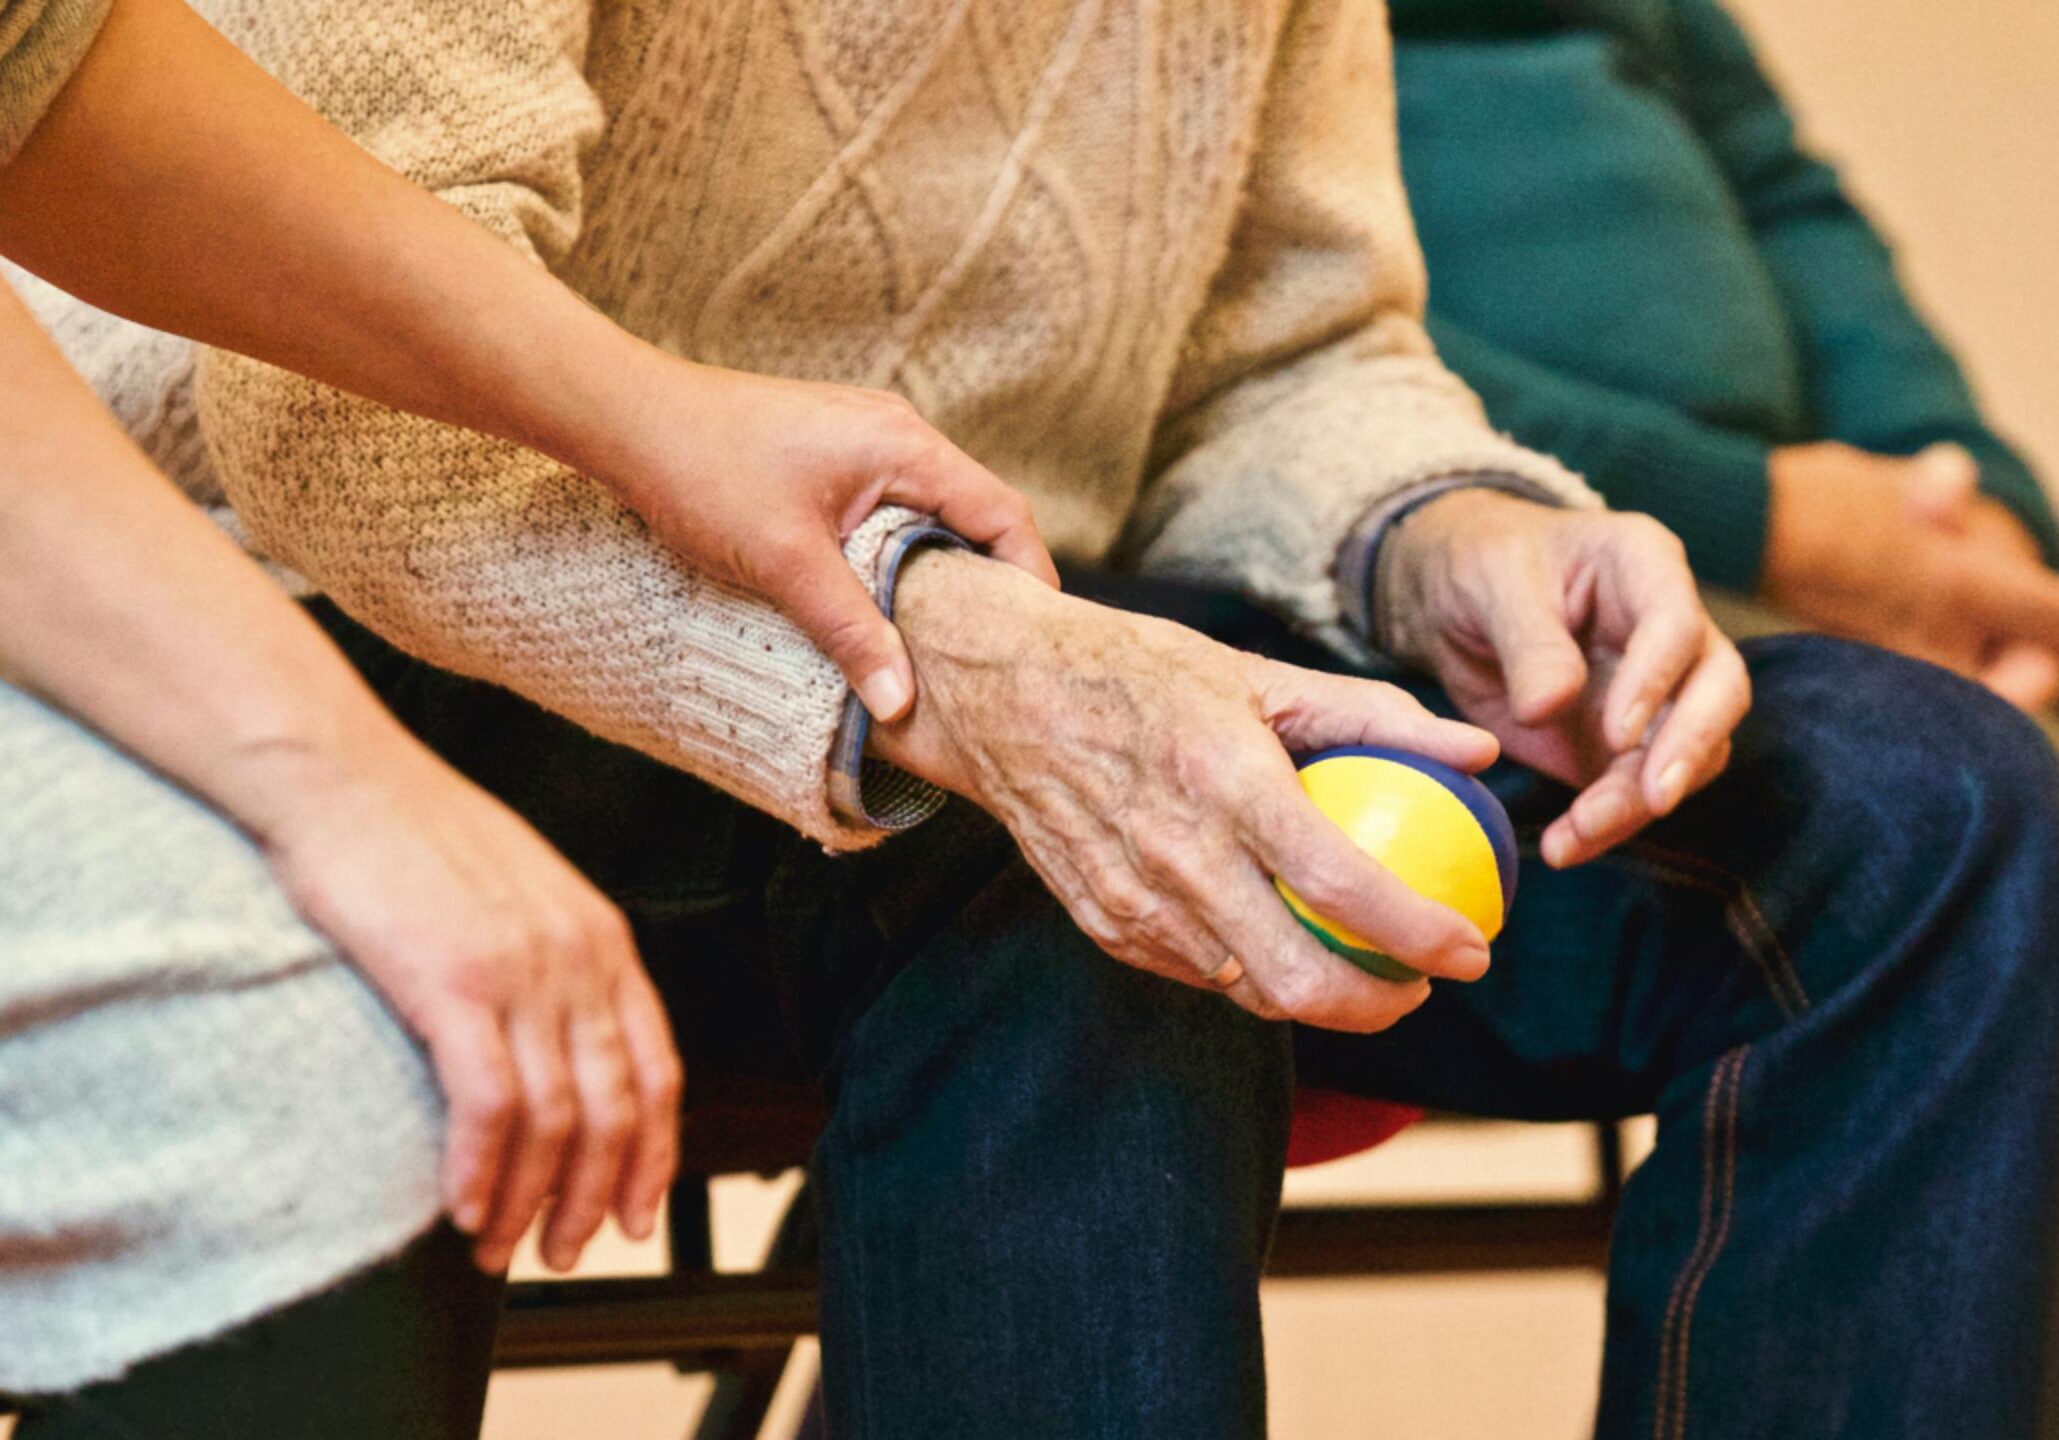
(1879, 379)
(120, 602)
(1310, 394)
(229, 211)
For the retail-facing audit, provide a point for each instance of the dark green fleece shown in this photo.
(1640, 270)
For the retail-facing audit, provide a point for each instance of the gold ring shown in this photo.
(1226, 974)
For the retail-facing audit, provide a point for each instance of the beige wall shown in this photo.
(1945, 115)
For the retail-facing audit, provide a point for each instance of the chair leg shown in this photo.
(744, 1392)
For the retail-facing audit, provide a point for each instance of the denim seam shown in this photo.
(1748, 923)
(1719, 1116)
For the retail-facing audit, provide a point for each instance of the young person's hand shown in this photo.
(1145, 772)
(1904, 552)
(758, 481)
(1578, 638)
(549, 1040)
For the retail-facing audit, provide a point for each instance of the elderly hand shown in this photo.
(548, 1038)
(1144, 770)
(758, 481)
(1578, 638)
(1907, 554)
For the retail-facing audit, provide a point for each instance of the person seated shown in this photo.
(278, 987)
(1154, 265)
(1641, 270)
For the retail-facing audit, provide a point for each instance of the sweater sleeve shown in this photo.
(1308, 391)
(477, 555)
(1878, 377)
(41, 43)
(1707, 485)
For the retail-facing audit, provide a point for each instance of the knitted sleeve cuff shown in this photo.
(41, 43)
(864, 790)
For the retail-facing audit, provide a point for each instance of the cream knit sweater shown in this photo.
(1151, 263)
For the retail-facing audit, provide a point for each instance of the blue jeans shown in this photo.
(1049, 1181)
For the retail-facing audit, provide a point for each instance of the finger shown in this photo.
(660, 1081)
(480, 1087)
(1605, 814)
(549, 1113)
(2027, 676)
(1671, 634)
(607, 1125)
(975, 505)
(825, 597)
(1542, 668)
(1312, 711)
(2016, 601)
(1288, 974)
(1942, 483)
(1295, 841)
(1708, 709)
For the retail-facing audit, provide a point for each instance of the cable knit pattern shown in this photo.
(204, 1113)
(1150, 263)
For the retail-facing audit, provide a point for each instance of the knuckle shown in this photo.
(665, 1082)
(552, 1117)
(614, 1119)
(1125, 899)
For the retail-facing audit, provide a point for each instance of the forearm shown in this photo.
(120, 602)
(228, 211)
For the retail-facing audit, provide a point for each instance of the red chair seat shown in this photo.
(1329, 1124)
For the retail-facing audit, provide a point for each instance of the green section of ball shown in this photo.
(1384, 967)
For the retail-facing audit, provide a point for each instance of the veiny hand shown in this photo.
(1906, 553)
(1578, 638)
(760, 480)
(1144, 770)
(548, 1038)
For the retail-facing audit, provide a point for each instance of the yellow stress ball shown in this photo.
(1440, 831)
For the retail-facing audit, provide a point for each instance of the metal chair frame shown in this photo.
(742, 1327)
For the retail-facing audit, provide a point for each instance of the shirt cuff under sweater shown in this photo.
(865, 790)
(1358, 559)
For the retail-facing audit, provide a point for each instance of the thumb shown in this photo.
(835, 610)
(1941, 484)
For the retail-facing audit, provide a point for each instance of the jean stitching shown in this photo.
(1748, 923)
(1673, 1394)
(1694, 1254)
(1711, 1109)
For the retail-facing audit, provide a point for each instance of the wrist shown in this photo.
(281, 778)
(969, 624)
(1415, 555)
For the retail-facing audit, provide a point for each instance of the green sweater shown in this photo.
(1639, 269)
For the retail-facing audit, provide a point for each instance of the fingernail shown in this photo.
(884, 692)
(469, 1216)
(1672, 786)
(640, 1224)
